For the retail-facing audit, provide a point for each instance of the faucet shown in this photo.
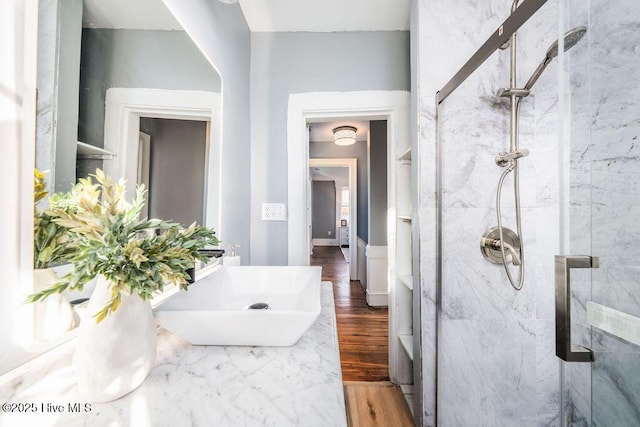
(497, 244)
(232, 250)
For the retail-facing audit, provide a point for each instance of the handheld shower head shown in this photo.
(571, 37)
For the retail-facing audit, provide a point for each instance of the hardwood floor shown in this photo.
(362, 330)
(376, 404)
(371, 400)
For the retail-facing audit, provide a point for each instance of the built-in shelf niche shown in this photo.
(406, 155)
(406, 341)
(91, 152)
(407, 280)
(401, 307)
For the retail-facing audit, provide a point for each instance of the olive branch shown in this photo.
(136, 256)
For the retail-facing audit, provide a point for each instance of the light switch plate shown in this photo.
(274, 212)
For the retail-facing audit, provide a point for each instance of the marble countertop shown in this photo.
(195, 386)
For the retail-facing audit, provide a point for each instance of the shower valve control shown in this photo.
(503, 159)
(491, 246)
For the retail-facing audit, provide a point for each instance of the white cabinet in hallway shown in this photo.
(344, 237)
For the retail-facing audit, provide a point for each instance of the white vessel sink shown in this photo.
(216, 310)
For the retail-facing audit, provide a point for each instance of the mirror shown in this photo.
(98, 58)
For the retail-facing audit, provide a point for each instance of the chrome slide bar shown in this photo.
(497, 39)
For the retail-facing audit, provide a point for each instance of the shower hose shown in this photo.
(513, 166)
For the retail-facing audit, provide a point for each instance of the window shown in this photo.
(344, 204)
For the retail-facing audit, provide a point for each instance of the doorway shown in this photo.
(329, 166)
(392, 106)
(172, 166)
(124, 109)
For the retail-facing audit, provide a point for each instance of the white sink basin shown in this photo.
(216, 309)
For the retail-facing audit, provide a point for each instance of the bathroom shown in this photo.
(487, 351)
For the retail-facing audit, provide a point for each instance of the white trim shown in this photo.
(390, 105)
(26, 95)
(338, 208)
(325, 242)
(377, 299)
(361, 262)
(377, 275)
(19, 22)
(125, 106)
(352, 164)
(377, 252)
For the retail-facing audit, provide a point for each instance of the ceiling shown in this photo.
(128, 14)
(326, 15)
(280, 15)
(261, 15)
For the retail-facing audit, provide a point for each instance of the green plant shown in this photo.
(109, 239)
(51, 241)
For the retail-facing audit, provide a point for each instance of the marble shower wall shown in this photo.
(495, 356)
(495, 349)
(604, 87)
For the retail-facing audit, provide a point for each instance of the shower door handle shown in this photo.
(563, 266)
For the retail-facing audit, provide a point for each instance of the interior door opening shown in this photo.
(338, 194)
(330, 181)
(172, 165)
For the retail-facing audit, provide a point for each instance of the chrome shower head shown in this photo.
(571, 37)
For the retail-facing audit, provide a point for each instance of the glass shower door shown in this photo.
(602, 107)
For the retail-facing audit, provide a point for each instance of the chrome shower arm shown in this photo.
(537, 73)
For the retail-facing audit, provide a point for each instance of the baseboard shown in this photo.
(325, 242)
(369, 383)
(377, 272)
(377, 299)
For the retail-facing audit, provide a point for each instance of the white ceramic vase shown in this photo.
(53, 316)
(115, 356)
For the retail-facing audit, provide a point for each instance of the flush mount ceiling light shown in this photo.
(344, 135)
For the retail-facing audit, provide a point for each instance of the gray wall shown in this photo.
(323, 210)
(178, 154)
(328, 150)
(222, 34)
(59, 37)
(135, 59)
(378, 211)
(286, 63)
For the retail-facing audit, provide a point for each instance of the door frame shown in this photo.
(125, 106)
(352, 165)
(392, 106)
